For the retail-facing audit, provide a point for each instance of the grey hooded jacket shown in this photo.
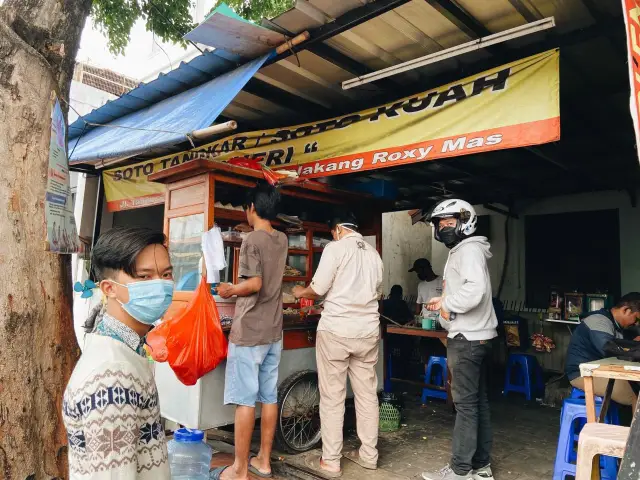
(467, 290)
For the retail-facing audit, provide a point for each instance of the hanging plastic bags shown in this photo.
(192, 342)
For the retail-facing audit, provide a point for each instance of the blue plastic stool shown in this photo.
(612, 417)
(521, 369)
(572, 419)
(436, 374)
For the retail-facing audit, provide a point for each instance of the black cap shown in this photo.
(420, 264)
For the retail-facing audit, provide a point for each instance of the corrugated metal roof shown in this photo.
(306, 87)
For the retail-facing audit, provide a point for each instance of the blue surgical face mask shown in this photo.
(148, 300)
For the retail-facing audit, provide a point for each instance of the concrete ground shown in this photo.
(525, 439)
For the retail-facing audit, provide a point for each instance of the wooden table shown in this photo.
(416, 332)
(610, 368)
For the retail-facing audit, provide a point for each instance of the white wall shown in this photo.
(402, 243)
(85, 98)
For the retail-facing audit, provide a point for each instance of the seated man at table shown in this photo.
(589, 338)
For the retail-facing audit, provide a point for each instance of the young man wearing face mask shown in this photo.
(349, 276)
(255, 342)
(467, 307)
(430, 286)
(110, 406)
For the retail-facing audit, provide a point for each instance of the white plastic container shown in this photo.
(189, 456)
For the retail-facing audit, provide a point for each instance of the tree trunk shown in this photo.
(39, 40)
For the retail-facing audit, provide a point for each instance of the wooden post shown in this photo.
(606, 401)
(209, 202)
(590, 399)
(297, 40)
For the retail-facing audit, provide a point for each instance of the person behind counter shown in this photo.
(588, 341)
(467, 309)
(255, 342)
(349, 276)
(395, 307)
(110, 406)
(430, 286)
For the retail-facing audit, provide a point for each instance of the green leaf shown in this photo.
(170, 20)
(256, 10)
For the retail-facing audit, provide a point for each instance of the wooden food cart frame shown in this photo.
(191, 191)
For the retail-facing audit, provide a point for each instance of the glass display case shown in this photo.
(185, 235)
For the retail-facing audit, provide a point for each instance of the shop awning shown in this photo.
(168, 122)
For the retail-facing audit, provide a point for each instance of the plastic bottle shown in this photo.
(189, 456)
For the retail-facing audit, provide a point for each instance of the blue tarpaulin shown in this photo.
(166, 123)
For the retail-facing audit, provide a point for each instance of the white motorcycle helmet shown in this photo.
(454, 208)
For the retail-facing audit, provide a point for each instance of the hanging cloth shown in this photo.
(213, 251)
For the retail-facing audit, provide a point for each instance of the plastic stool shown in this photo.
(574, 411)
(577, 393)
(597, 439)
(436, 372)
(612, 417)
(521, 368)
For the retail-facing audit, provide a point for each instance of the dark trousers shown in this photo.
(472, 435)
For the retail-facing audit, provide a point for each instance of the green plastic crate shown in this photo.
(389, 418)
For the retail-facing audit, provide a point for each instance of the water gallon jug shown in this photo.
(189, 455)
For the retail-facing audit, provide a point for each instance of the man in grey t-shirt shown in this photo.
(255, 342)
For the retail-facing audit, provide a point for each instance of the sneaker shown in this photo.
(483, 473)
(445, 474)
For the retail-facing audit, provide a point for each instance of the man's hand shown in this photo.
(444, 314)
(434, 304)
(225, 290)
(298, 291)
(637, 339)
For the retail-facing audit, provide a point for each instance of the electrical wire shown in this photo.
(170, 23)
(163, 51)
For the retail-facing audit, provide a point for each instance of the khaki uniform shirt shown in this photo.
(350, 278)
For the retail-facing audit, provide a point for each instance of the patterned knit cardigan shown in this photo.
(112, 416)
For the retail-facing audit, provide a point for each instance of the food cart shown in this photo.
(202, 193)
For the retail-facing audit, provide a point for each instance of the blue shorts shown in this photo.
(252, 374)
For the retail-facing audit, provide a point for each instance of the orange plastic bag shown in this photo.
(192, 342)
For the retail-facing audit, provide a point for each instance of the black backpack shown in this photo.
(622, 349)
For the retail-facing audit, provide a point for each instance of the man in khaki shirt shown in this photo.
(350, 278)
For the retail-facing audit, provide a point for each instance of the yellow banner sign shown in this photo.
(513, 105)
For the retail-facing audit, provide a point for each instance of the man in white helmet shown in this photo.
(466, 305)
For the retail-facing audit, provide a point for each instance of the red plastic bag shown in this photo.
(192, 342)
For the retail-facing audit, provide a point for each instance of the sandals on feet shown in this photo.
(257, 472)
(354, 456)
(215, 473)
(314, 462)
